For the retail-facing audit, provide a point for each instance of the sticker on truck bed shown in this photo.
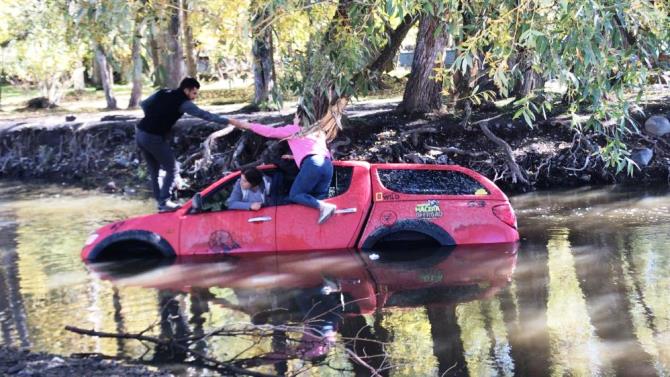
(379, 196)
(428, 210)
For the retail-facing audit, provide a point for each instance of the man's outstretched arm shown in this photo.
(190, 108)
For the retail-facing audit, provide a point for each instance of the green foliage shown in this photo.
(40, 51)
(222, 30)
(599, 51)
(328, 52)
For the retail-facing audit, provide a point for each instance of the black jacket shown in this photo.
(161, 111)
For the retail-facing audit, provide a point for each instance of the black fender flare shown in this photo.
(420, 226)
(151, 238)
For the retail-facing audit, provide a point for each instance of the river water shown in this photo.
(585, 293)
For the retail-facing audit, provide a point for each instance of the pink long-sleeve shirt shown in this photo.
(300, 146)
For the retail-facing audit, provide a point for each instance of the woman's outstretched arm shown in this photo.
(267, 131)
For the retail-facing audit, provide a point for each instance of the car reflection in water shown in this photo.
(315, 291)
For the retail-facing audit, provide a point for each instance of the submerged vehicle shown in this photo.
(379, 206)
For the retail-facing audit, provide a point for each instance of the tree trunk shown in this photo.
(95, 74)
(156, 58)
(326, 105)
(189, 45)
(531, 81)
(423, 92)
(388, 53)
(263, 58)
(78, 81)
(136, 58)
(105, 77)
(175, 53)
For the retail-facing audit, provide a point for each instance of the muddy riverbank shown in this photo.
(102, 154)
(22, 362)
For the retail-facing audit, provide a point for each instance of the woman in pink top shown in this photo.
(312, 156)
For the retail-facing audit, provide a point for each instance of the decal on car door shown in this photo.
(220, 241)
(428, 210)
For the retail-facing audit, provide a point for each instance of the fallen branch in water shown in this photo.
(208, 362)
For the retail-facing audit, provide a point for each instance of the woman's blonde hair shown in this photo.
(330, 124)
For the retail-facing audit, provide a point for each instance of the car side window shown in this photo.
(216, 200)
(341, 180)
(430, 182)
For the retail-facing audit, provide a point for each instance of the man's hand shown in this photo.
(239, 123)
(255, 206)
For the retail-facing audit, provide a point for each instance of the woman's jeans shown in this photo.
(159, 155)
(312, 182)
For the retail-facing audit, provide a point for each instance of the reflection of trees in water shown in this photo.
(574, 345)
(119, 320)
(11, 299)
(199, 306)
(601, 280)
(524, 306)
(173, 325)
(483, 333)
(447, 344)
(48, 240)
(367, 343)
(645, 273)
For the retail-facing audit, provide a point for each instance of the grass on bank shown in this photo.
(14, 99)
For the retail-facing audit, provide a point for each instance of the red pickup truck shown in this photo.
(379, 206)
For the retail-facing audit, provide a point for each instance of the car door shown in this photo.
(297, 227)
(218, 230)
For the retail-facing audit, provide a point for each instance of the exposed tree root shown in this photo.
(552, 154)
(515, 170)
(454, 150)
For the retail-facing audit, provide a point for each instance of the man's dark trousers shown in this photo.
(157, 152)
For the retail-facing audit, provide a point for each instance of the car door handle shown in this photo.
(260, 219)
(346, 210)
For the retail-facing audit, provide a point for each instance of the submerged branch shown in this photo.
(216, 364)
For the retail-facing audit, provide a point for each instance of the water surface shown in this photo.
(584, 293)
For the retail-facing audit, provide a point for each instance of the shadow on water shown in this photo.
(585, 294)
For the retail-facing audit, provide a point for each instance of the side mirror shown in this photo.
(196, 203)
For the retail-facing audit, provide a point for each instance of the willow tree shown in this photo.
(140, 12)
(262, 50)
(187, 8)
(175, 51)
(349, 45)
(106, 25)
(423, 92)
(42, 50)
(602, 52)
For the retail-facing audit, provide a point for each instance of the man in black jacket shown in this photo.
(161, 111)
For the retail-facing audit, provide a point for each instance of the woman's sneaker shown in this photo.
(326, 210)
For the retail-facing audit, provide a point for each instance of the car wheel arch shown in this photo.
(423, 227)
(150, 239)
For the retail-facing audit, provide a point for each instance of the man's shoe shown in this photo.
(326, 210)
(167, 206)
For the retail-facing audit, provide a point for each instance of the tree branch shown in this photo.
(508, 155)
